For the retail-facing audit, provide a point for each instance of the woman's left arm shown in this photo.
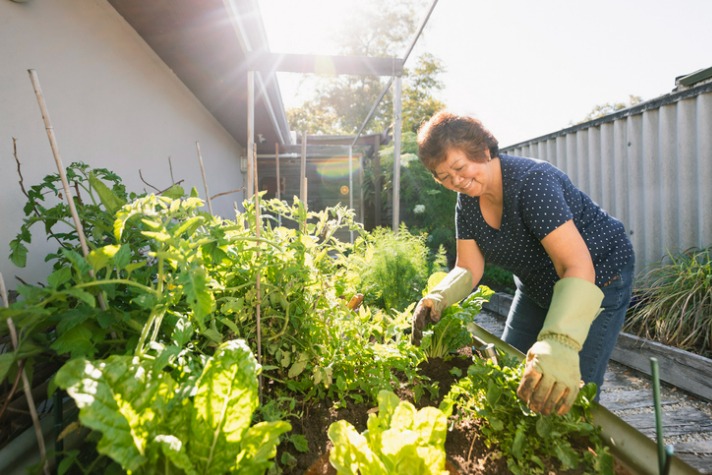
(551, 376)
(569, 252)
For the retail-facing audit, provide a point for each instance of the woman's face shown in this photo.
(458, 173)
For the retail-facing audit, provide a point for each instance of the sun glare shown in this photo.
(305, 26)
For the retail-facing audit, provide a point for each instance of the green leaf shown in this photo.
(59, 277)
(174, 450)
(225, 398)
(188, 226)
(76, 342)
(160, 236)
(567, 455)
(194, 280)
(108, 198)
(101, 257)
(120, 399)
(175, 192)
(298, 366)
(351, 451)
(77, 261)
(259, 447)
(82, 295)
(6, 362)
(18, 253)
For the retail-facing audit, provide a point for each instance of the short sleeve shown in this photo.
(543, 202)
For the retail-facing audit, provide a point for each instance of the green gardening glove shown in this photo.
(552, 376)
(455, 286)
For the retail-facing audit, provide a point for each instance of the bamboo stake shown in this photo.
(58, 159)
(62, 174)
(26, 386)
(205, 180)
(278, 192)
(258, 289)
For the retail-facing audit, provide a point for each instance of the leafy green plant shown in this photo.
(527, 440)
(393, 267)
(450, 333)
(673, 304)
(399, 440)
(149, 423)
(99, 193)
(172, 275)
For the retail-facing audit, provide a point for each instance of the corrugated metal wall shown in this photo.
(649, 165)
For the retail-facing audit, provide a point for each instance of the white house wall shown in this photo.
(651, 167)
(113, 104)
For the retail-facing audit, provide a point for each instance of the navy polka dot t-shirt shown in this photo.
(539, 198)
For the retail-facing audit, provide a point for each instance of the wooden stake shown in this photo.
(258, 278)
(62, 174)
(26, 386)
(205, 180)
(58, 160)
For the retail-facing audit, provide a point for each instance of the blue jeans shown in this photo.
(526, 318)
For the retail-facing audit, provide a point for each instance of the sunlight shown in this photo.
(300, 27)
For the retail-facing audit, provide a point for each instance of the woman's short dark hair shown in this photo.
(445, 131)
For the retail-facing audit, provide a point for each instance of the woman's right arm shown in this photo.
(470, 257)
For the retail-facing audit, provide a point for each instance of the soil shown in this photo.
(467, 454)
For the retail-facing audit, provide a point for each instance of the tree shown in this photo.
(418, 101)
(603, 110)
(340, 105)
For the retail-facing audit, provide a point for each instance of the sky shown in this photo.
(525, 68)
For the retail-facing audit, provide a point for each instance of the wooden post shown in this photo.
(303, 171)
(397, 106)
(250, 133)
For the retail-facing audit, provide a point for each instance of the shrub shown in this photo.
(674, 303)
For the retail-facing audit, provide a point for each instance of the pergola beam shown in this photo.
(325, 64)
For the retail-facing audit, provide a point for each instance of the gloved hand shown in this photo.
(552, 376)
(455, 286)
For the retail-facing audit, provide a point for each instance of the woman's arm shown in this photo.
(470, 257)
(569, 253)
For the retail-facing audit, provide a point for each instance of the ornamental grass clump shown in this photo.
(674, 304)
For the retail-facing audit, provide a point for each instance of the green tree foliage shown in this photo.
(603, 110)
(419, 104)
(426, 206)
(339, 105)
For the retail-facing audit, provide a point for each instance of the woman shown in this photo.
(573, 263)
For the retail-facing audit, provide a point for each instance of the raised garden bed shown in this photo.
(152, 328)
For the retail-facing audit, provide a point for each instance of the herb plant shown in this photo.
(394, 267)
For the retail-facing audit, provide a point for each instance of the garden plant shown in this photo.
(191, 343)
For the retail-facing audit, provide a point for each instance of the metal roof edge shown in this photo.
(652, 104)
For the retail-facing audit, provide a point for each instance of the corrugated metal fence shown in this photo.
(649, 165)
